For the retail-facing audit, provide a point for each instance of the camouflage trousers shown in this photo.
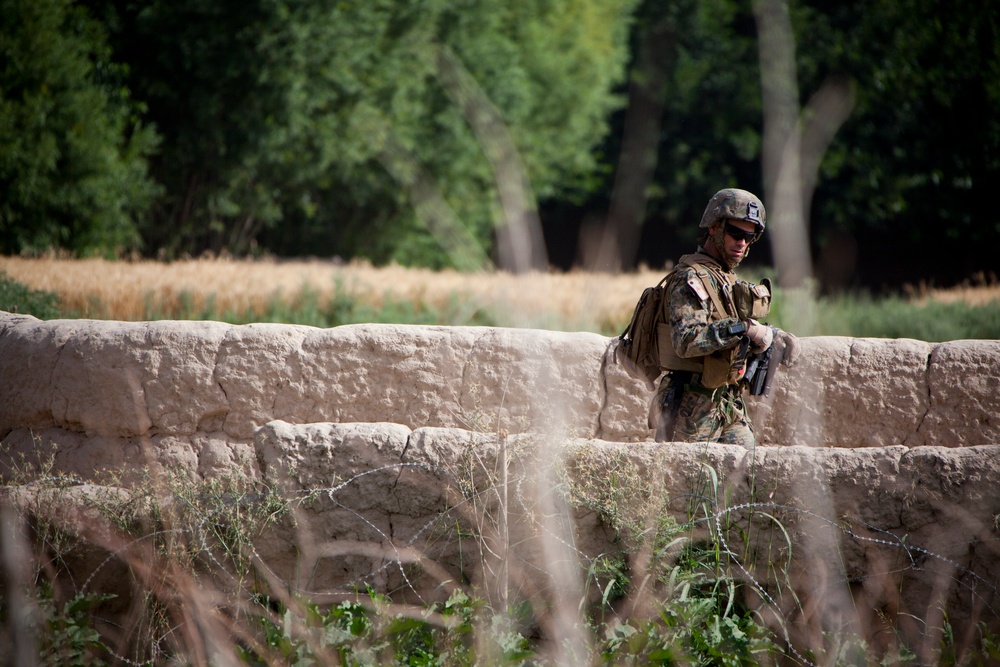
(703, 415)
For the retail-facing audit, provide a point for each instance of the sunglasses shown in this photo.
(737, 234)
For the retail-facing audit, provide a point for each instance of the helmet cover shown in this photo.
(735, 204)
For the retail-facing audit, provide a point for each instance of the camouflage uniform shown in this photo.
(703, 414)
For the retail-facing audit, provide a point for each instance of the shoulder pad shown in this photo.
(694, 282)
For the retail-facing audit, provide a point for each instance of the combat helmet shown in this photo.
(733, 203)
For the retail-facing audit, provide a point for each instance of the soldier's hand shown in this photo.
(787, 345)
(760, 335)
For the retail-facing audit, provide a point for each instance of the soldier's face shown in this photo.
(735, 249)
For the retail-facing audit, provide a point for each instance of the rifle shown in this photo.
(760, 369)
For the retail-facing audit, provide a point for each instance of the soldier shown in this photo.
(711, 327)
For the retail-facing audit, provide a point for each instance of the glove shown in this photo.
(760, 336)
(787, 346)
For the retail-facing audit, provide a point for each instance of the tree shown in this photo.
(692, 126)
(908, 181)
(905, 179)
(328, 127)
(72, 155)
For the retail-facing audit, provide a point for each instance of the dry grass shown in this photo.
(574, 300)
(980, 295)
(979, 289)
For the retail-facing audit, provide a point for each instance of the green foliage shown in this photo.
(990, 644)
(907, 178)
(698, 612)
(344, 308)
(69, 637)
(710, 123)
(72, 156)
(369, 632)
(701, 618)
(16, 297)
(895, 317)
(339, 128)
(328, 128)
(336, 128)
(920, 85)
(204, 71)
(688, 631)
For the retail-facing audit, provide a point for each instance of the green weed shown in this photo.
(16, 297)
(895, 317)
(681, 591)
(69, 637)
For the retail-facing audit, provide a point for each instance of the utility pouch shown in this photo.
(726, 366)
(753, 302)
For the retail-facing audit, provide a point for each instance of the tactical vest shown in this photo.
(727, 297)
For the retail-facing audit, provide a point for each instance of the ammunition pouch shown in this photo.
(753, 302)
(726, 366)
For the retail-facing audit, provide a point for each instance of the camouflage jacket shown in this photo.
(696, 327)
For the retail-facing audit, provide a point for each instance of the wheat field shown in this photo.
(574, 300)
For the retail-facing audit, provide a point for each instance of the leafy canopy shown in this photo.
(72, 155)
(327, 127)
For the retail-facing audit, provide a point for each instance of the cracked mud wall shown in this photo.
(890, 522)
(169, 387)
(899, 435)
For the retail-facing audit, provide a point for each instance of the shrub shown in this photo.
(16, 297)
